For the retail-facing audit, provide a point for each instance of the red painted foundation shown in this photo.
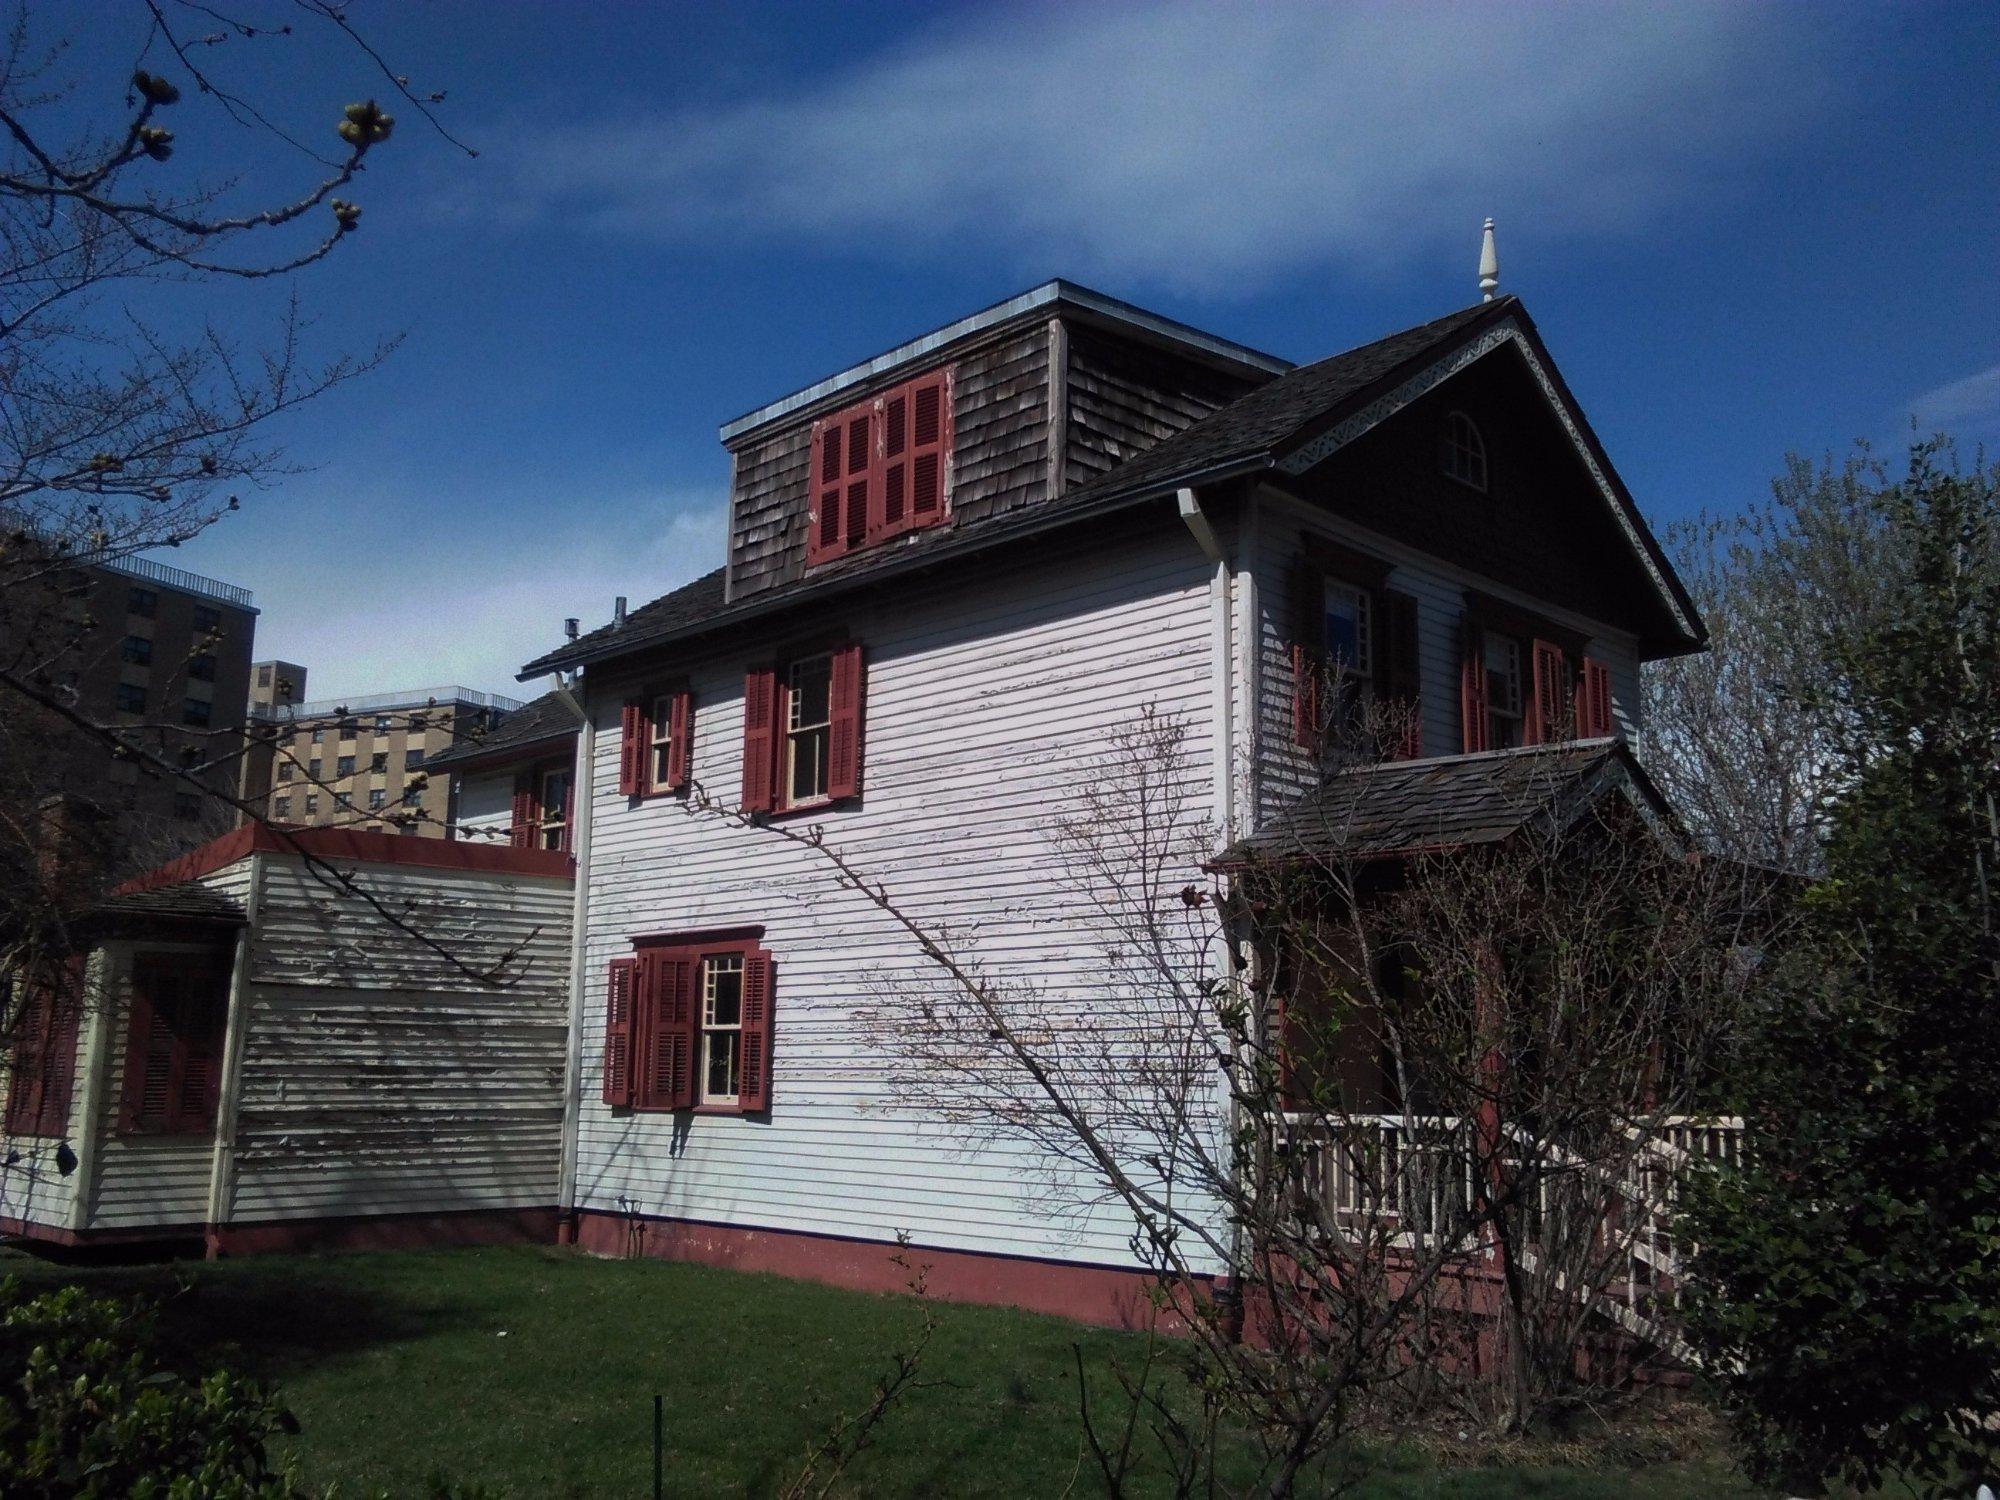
(1105, 1295)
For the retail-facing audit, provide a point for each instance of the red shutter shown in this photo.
(43, 1061)
(1308, 647)
(1472, 689)
(149, 1056)
(680, 726)
(1549, 706)
(893, 494)
(760, 746)
(521, 830)
(753, 1088)
(825, 534)
(859, 427)
(1401, 679)
(200, 1085)
(1594, 718)
(843, 761)
(666, 1078)
(619, 1003)
(930, 448)
(632, 748)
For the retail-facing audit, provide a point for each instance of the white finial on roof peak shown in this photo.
(1489, 265)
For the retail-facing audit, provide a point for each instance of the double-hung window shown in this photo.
(43, 1052)
(802, 724)
(1355, 669)
(552, 824)
(688, 1025)
(656, 738)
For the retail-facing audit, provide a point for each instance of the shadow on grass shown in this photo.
(253, 1317)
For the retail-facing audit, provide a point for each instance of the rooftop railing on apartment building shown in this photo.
(367, 703)
(180, 578)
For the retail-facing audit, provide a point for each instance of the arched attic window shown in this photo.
(1464, 452)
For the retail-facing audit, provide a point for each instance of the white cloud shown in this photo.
(1970, 407)
(1197, 143)
(474, 603)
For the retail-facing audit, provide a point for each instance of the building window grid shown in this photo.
(1502, 660)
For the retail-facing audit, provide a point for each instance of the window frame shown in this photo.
(143, 602)
(137, 650)
(213, 970)
(41, 1083)
(785, 732)
(133, 691)
(557, 821)
(652, 956)
(1461, 461)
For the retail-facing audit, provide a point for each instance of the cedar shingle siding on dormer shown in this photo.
(1117, 397)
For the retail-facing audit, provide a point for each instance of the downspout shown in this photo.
(580, 780)
(1222, 686)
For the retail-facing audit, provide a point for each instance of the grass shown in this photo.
(531, 1371)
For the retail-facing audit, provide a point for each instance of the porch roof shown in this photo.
(1400, 808)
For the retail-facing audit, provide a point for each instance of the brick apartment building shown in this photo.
(163, 655)
(360, 762)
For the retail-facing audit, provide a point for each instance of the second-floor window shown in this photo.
(881, 468)
(1527, 681)
(656, 735)
(802, 724)
(1355, 648)
(552, 824)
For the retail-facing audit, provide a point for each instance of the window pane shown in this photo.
(722, 991)
(722, 1049)
(1347, 632)
(812, 690)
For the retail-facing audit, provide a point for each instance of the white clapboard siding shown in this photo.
(990, 701)
(485, 806)
(377, 1075)
(1283, 770)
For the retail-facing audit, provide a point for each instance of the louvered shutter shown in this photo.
(860, 464)
(667, 1065)
(28, 1076)
(1594, 718)
(149, 1054)
(199, 1087)
(1549, 707)
(1472, 688)
(1400, 676)
(848, 690)
(825, 533)
(930, 448)
(521, 830)
(620, 1004)
(632, 748)
(680, 730)
(760, 748)
(1308, 650)
(893, 494)
(753, 1088)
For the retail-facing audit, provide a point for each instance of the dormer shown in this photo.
(1007, 409)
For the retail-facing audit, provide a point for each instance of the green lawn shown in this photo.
(532, 1371)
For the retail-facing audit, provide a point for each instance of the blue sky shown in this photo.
(1743, 230)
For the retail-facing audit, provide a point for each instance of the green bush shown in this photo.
(86, 1411)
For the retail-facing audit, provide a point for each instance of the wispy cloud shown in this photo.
(1199, 143)
(471, 605)
(1968, 407)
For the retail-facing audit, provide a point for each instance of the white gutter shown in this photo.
(580, 781)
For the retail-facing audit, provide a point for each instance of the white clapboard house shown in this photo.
(306, 1037)
(954, 571)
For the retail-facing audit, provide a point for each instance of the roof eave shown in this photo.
(974, 539)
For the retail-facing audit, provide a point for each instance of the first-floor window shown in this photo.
(808, 729)
(42, 1062)
(688, 1023)
(173, 1051)
(721, 1027)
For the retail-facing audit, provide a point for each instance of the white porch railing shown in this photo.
(1417, 1172)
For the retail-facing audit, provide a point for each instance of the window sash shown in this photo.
(808, 734)
(721, 1041)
